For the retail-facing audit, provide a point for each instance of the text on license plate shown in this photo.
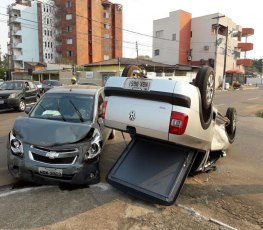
(50, 171)
(138, 84)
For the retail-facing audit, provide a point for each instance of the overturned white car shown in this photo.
(175, 129)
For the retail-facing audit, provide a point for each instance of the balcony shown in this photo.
(244, 46)
(59, 49)
(245, 62)
(247, 32)
(59, 38)
(16, 57)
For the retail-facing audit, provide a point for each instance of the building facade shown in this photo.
(213, 40)
(72, 31)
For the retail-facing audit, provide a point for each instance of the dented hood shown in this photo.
(44, 132)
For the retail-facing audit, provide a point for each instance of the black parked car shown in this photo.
(49, 84)
(16, 94)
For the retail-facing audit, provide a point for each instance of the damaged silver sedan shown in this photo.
(61, 139)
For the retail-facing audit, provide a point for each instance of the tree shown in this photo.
(256, 66)
(3, 66)
(144, 57)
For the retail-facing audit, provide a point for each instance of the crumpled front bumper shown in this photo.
(80, 172)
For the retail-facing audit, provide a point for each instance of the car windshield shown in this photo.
(52, 83)
(11, 85)
(75, 108)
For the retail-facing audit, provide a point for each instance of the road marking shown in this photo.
(103, 186)
(219, 105)
(23, 190)
(254, 98)
(197, 214)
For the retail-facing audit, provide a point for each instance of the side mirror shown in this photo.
(28, 109)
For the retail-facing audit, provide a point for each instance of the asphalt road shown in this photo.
(231, 196)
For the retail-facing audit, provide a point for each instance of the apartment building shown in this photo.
(55, 31)
(213, 40)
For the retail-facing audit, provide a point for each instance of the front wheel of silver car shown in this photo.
(22, 106)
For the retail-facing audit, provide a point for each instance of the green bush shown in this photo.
(260, 113)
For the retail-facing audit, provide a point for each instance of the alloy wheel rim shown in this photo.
(210, 88)
(22, 105)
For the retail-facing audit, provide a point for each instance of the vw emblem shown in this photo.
(132, 115)
(52, 155)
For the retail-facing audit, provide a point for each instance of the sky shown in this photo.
(138, 16)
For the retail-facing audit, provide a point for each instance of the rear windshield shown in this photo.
(75, 108)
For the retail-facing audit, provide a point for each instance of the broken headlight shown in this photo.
(16, 145)
(95, 147)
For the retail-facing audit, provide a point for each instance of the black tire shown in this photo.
(22, 106)
(231, 114)
(128, 70)
(112, 135)
(205, 81)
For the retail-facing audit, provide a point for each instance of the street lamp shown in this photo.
(225, 54)
(217, 28)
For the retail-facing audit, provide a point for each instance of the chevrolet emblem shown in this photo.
(52, 155)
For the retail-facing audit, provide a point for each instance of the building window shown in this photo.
(51, 56)
(106, 57)
(48, 56)
(159, 34)
(48, 33)
(68, 16)
(50, 20)
(45, 55)
(106, 15)
(45, 44)
(106, 26)
(69, 29)
(45, 32)
(69, 41)
(51, 33)
(48, 44)
(156, 52)
(69, 53)
(47, 21)
(44, 8)
(47, 8)
(106, 36)
(106, 47)
(51, 44)
(174, 37)
(191, 34)
(68, 4)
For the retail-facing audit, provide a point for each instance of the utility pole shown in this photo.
(225, 54)
(137, 52)
(217, 28)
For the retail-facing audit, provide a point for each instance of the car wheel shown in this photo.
(112, 135)
(129, 71)
(21, 106)
(231, 114)
(205, 81)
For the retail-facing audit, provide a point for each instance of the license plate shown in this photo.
(50, 171)
(2, 102)
(138, 84)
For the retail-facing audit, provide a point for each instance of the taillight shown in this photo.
(104, 106)
(178, 123)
